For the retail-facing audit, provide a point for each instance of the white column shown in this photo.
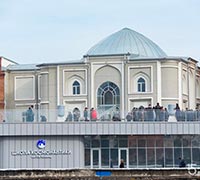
(58, 85)
(180, 90)
(159, 85)
(92, 86)
(123, 97)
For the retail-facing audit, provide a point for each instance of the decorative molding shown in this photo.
(85, 82)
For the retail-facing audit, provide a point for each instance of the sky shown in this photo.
(42, 31)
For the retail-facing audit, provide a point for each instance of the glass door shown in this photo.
(123, 156)
(95, 158)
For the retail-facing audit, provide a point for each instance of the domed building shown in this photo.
(97, 108)
(127, 41)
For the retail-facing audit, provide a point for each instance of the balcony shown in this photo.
(15, 123)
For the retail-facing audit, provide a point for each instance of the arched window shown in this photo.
(141, 85)
(108, 94)
(76, 87)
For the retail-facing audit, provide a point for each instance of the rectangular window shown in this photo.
(177, 155)
(195, 156)
(95, 143)
(114, 157)
(168, 157)
(133, 158)
(43, 87)
(151, 157)
(105, 158)
(141, 157)
(187, 155)
(159, 157)
(87, 157)
(25, 88)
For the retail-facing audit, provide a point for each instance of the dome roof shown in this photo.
(127, 41)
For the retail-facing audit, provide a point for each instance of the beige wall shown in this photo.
(169, 79)
(175, 80)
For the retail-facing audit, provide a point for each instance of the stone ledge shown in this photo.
(88, 174)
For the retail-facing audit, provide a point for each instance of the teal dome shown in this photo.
(127, 41)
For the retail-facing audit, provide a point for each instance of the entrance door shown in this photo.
(123, 155)
(95, 158)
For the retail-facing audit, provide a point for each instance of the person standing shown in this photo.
(93, 114)
(69, 116)
(181, 162)
(85, 114)
(29, 115)
(121, 164)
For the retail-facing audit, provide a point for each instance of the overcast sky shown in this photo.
(40, 31)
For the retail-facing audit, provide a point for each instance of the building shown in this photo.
(126, 70)
(4, 62)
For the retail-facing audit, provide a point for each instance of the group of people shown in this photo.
(187, 115)
(156, 113)
(87, 115)
(159, 113)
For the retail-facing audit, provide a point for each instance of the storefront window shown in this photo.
(169, 141)
(113, 143)
(177, 155)
(178, 142)
(87, 143)
(195, 156)
(95, 143)
(141, 143)
(187, 155)
(168, 157)
(159, 142)
(132, 143)
(187, 142)
(114, 157)
(123, 142)
(195, 141)
(132, 158)
(141, 157)
(159, 157)
(151, 157)
(141, 151)
(87, 157)
(151, 142)
(104, 143)
(105, 157)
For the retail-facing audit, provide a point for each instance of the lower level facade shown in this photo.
(98, 145)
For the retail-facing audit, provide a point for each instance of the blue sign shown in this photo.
(103, 173)
(41, 144)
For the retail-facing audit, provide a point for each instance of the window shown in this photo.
(76, 87)
(141, 85)
(108, 94)
(24, 87)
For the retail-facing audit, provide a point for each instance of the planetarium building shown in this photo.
(125, 99)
